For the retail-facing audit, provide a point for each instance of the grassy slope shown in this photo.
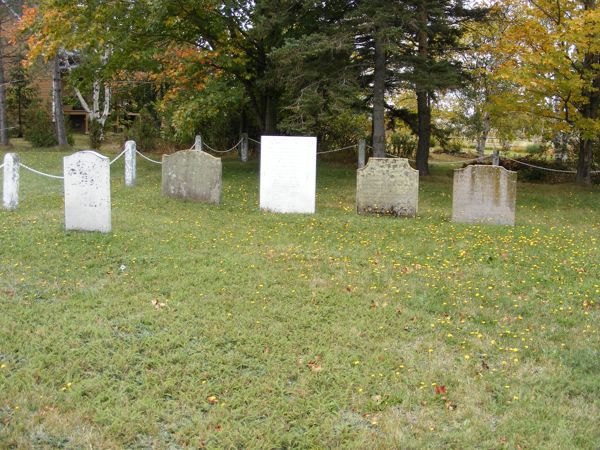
(280, 331)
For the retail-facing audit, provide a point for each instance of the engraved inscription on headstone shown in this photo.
(484, 194)
(288, 174)
(387, 186)
(192, 175)
(87, 192)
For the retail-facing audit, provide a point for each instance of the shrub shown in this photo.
(535, 149)
(144, 131)
(452, 146)
(40, 129)
(403, 143)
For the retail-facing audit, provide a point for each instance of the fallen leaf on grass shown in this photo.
(450, 406)
(440, 390)
(212, 399)
(314, 365)
(158, 305)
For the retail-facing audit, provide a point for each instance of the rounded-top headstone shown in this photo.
(87, 192)
(387, 186)
(192, 175)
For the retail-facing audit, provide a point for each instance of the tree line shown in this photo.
(340, 70)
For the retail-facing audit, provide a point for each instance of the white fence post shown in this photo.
(496, 158)
(362, 147)
(130, 163)
(198, 143)
(10, 191)
(244, 148)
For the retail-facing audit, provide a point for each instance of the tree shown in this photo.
(429, 62)
(555, 49)
(20, 93)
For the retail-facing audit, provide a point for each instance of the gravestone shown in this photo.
(87, 192)
(192, 175)
(387, 186)
(10, 183)
(288, 174)
(484, 194)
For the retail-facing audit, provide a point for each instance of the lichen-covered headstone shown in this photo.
(10, 183)
(87, 192)
(192, 175)
(288, 167)
(387, 186)
(484, 194)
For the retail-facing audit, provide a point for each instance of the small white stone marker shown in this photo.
(288, 167)
(87, 192)
(130, 166)
(10, 185)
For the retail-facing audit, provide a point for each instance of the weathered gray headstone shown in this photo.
(192, 175)
(130, 169)
(484, 194)
(10, 184)
(87, 192)
(387, 186)
(288, 166)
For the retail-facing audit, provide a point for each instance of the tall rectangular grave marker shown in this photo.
(192, 175)
(484, 194)
(387, 186)
(288, 173)
(87, 192)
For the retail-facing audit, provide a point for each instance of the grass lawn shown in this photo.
(196, 325)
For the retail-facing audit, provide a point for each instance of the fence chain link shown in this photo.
(146, 158)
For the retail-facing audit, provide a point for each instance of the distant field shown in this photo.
(193, 325)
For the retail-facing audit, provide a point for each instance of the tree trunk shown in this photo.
(423, 98)
(59, 116)
(584, 161)
(483, 135)
(379, 99)
(270, 120)
(589, 111)
(3, 122)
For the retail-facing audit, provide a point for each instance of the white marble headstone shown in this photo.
(288, 167)
(87, 192)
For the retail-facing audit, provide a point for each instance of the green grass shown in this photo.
(298, 331)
